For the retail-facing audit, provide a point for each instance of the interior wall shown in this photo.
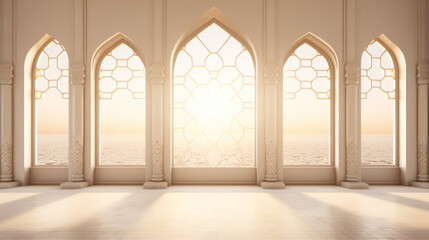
(396, 19)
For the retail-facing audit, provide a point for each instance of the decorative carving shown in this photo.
(271, 74)
(271, 162)
(157, 74)
(351, 161)
(77, 72)
(422, 162)
(6, 162)
(423, 74)
(77, 171)
(6, 74)
(352, 74)
(157, 161)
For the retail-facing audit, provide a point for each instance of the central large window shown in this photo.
(214, 102)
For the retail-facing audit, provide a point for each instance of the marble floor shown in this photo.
(214, 212)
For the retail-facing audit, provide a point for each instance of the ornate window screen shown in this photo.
(122, 69)
(214, 102)
(51, 94)
(122, 104)
(306, 107)
(377, 71)
(306, 68)
(52, 70)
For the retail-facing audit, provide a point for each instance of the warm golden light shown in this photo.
(214, 102)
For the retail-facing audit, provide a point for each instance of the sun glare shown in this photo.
(214, 102)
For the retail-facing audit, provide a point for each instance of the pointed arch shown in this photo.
(119, 81)
(213, 71)
(317, 43)
(310, 77)
(213, 15)
(382, 77)
(47, 72)
(111, 43)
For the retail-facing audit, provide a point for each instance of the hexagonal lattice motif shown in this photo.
(51, 71)
(214, 102)
(306, 68)
(122, 68)
(377, 71)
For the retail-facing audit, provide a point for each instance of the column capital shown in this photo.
(352, 73)
(423, 74)
(157, 74)
(77, 73)
(271, 74)
(6, 74)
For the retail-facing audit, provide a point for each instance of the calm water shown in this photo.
(299, 149)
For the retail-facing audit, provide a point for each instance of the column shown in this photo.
(6, 143)
(422, 97)
(271, 75)
(6, 84)
(77, 80)
(157, 87)
(352, 80)
(422, 126)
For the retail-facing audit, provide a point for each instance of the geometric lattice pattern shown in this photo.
(52, 70)
(377, 71)
(306, 68)
(122, 68)
(306, 81)
(214, 102)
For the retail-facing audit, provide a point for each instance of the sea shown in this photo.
(298, 149)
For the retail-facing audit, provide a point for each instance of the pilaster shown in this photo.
(423, 97)
(6, 141)
(77, 80)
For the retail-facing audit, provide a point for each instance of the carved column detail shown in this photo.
(271, 76)
(423, 122)
(352, 76)
(6, 123)
(157, 81)
(76, 162)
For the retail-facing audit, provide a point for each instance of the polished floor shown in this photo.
(214, 212)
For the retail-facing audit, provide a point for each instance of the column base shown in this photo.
(74, 185)
(155, 185)
(273, 185)
(4, 185)
(354, 185)
(420, 184)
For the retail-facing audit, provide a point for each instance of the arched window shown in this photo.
(214, 101)
(378, 105)
(121, 107)
(51, 105)
(307, 107)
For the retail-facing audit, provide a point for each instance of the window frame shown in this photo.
(34, 109)
(251, 51)
(100, 59)
(332, 72)
(396, 109)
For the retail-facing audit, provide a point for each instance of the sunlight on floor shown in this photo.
(214, 212)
